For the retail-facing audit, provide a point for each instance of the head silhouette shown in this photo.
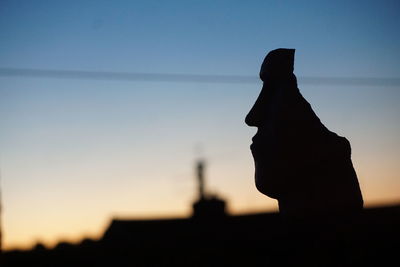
(298, 161)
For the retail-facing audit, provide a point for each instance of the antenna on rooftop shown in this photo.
(200, 178)
(199, 170)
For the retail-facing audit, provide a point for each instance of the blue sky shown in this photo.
(74, 153)
(200, 36)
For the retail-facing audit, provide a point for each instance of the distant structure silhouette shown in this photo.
(298, 161)
(200, 178)
(207, 206)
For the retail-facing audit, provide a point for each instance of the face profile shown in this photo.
(277, 66)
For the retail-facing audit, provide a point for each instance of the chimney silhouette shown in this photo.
(200, 178)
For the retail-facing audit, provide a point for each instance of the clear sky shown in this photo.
(75, 153)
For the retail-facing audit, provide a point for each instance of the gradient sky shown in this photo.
(75, 153)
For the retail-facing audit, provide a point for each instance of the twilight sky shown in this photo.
(76, 152)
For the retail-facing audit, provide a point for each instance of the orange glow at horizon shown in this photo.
(75, 221)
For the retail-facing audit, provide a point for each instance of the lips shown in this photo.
(253, 144)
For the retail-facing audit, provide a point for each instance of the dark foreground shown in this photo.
(370, 239)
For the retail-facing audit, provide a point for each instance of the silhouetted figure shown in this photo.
(303, 165)
(298, 161)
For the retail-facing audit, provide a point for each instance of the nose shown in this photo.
(251, 118)
(255, 117)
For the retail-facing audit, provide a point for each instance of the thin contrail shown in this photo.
(192, 78)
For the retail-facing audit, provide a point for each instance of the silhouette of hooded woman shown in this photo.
(298, 161)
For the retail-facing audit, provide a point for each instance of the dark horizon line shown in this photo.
(180, 77)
